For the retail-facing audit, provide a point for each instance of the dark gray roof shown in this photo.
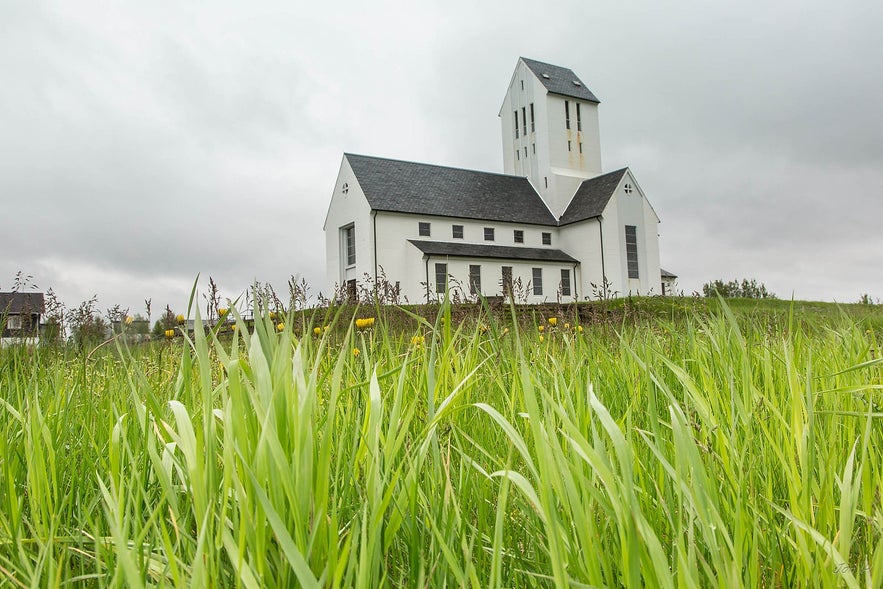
(560, 80)
(16, 303)
(592, 197)
(502, 252)
(666, 274)
(424, 189)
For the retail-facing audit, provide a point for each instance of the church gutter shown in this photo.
(603, 270)
(374, 241)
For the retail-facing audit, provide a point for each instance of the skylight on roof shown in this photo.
(576, 83)
(546, 76)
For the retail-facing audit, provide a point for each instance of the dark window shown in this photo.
(351, 290)
(518, 154)
(567, 114)
(524, 121)
(547, 238)
(457, 231)
(525, 151)
(546, 180)
(533, 146)
(349, 244)
(532, 127)
(506, 281)
(579, 120)
(522, 84)
(580, 146)
(424, 229)
(488, 233)
(441, 277)
(516, 124)
(519, 236)
(631, 249)
(568, 146)
(565, 283)
(537, 281)
(474, 279)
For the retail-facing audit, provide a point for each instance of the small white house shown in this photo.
(552, 227)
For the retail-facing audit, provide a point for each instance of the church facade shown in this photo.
(552, 227)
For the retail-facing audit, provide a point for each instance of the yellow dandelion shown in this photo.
(180, 319)
(567, 326)
(233, 327)
(317, 330)
(542, 328)
(356, 351)
(280, 326)
(542, 338)
(129, 319)
(272, 315)
(223, 311)
(553, 321)
(170, 333)
(579, 328)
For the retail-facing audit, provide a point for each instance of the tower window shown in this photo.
(631, 249)
(516, 123)
(547, 238)
(423, 229)
(565, 282)
(566, 114)
(533, 147)
(579, 120)
(522, 84)
(488, 233)
(537, 281)
(524, 121)
(349, 244)
(525, 151)
(457, 231)
(474, 279)
(518, 154)
(568, 145)
(519, 236)
(580, 146)
(532, 128)
(441, 277)
(546, 180)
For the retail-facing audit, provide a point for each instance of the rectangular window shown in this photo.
(546, 180)
(351, 290)
(631, 249)
(524, 121)
(457, 231)
(516, 124)
(537, 281)
(532, 127)
(441, 277)
(525, 151)
(533, 147)
(488, 233)
(567, 114)
(568, 146)
(522, 84)
(580, 146)
(13, 322)
(506, 281)
(518, 154)
(579, 119)
(423, 229)
(349, 244)
(474, 279)
(565, 283)
(547, 238)
(519, 236)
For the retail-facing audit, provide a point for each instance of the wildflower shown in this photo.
(129, 319)
(272, 315)
(222, 311)
(356, 352)
(324, 328)
(542, 328)
(170, 333)
(542, 338)
(280, 326)
(553, 321)
(317, 330)
(365, 323)
(505, 330)
(579, 328)
(417, 340)
(233, 327)
(179, 319)
(482, 328)
(567, 326)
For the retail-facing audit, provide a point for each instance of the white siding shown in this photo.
(345, 209)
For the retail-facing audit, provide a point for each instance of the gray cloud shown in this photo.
(144, 144)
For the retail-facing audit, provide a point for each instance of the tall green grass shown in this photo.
(716, 450)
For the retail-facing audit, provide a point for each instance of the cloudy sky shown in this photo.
(144, 143)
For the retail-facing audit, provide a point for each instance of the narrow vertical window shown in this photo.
(522, 84)
(580, 146)
(546, 180)
(349, 244)
(537, 281)
(441, 277)
(488, 233)
(516, 123)
(518, 155)
(565, 283)
(525, 151)
(423, 229)
(579, 119)
(532, 127)
(533, 146)
(567, 114)
(524, 121)
(457, 231)
(631, 249)
(568, 146)
(547, 238)
(474, 279)
(506, 280)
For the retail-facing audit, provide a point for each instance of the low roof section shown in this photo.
(21, 303)
(591, 197)
(500, 252)
(424, 189)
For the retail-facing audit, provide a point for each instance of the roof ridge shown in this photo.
(392, 159)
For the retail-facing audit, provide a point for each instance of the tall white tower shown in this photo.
(550, 131)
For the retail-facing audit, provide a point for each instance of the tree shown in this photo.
(734, 289)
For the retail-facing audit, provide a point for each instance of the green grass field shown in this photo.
(673, 443)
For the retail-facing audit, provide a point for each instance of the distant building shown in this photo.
(552, 227)
(20, 317)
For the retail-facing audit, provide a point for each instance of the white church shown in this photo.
(552, 227)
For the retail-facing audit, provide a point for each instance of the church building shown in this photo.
(552, 227)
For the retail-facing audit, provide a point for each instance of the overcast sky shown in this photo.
(144, 143)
